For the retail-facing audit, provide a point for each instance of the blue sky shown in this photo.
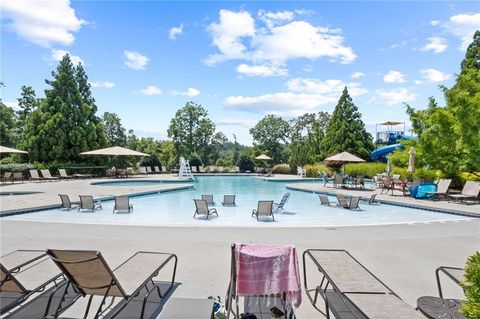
(240, 60)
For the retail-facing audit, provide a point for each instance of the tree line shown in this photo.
(64, 123)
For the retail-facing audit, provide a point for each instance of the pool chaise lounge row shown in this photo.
(61, 277)
(122, 203)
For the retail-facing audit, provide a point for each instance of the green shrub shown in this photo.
(282, 169)
(427, 174)
(469, 177)
(16, 168)
(471, 285)
(365, 169)
(314, 169)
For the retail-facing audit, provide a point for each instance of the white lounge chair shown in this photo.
(470, 190)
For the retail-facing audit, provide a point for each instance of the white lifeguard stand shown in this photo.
(185, 170)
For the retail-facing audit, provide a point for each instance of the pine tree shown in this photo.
(65, 124)
(346, 130)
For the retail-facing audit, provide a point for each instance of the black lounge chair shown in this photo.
(441, 307)
(264, 208)
(66, 203)
(24, 273)
(124, 282)
(88, 203)
(201, 208)
(350, 290)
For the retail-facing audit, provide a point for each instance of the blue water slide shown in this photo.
(382, 152)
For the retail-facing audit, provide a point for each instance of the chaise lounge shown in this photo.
(124, 282)
(122, 204)
(87, 203)
(264, 208)
(350, 290)
(470, 190)
(201, 208)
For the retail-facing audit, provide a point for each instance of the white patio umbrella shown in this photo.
(4, 149)
(411, 161)
(115, 151)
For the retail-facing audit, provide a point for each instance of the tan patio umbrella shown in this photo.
(411, 161)
(4, 149)
(263, 157)
(115, 151)
(388, 169)
(342, 158)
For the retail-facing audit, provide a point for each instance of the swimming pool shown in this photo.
(302, 210)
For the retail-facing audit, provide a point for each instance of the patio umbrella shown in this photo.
(342, 158)
(263, 157)
(411, 161)
(4, 149)
(115, 151)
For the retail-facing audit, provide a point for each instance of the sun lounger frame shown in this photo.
(114, 282)
(26, 293)
(327, 281)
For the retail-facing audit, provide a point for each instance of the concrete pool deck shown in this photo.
(404, 256)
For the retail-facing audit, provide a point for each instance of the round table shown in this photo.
(439, 308)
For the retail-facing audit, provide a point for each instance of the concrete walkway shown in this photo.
(396, 199)
(46, 193)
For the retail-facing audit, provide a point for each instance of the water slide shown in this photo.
(380, 154)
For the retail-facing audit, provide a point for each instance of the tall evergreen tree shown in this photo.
(463, 102)
(65, 124)
(346, 130)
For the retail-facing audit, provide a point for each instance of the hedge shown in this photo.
(282, 169)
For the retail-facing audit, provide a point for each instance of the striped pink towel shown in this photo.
(268, 269)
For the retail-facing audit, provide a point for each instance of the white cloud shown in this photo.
(135, 60)
(102, 84)
(435, 44)
(300, 39)
(283, 103)
(274, 18)
(175, 31)
(236, 38)
(434, 75)
(189, 92)
(392, 97)
(57, 55)
(261, 70)
(463, 26)
(303, 95)
(394, 77)
(151, 90)
(434, 22)
(357, 75)
(42, 22)
(418, 82)
(228, 33)
(329, 88)
(13, 105)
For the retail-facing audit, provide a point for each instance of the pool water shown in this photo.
(303, 208)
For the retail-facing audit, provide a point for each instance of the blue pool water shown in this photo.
(303, 209)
